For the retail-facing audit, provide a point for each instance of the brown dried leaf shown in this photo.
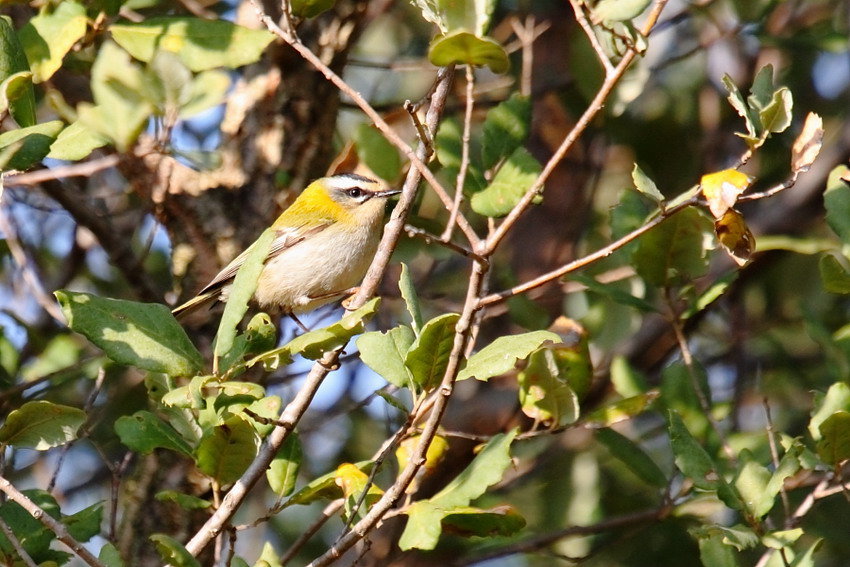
(735, 236)
(808, 144)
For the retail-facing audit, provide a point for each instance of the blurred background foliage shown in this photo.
(189, 160)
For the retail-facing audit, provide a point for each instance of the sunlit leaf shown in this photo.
(435, 453)
(143, 432)
(28, 146)
(283, 470)
(545, 390)
(463, 47)
(201, 44)
(618, 10)
(722, 189)
(41, 425)
(736, 99)
(428, 356)
(324, 487)
(407, 288)
(144, 335)
(505, 128)
(385, 353)
(834, 444)
(646, 185)
(620, 410)
(226, 451)
(836, 201)
(836, 399)
(353, 483)
(172, 552)
(13, 61)
(51, 34)
(510, 183)
(76, 142)
(776, 116)
(808, 144)
(751, 482)
(503, 353)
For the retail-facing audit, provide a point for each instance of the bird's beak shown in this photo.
(387, 193)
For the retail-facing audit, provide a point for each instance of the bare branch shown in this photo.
(593, 109)
(57, 527)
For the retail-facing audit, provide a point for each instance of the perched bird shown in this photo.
(323, 245)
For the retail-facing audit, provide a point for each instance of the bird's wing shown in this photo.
(285, 239)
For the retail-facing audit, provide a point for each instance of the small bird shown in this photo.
(323, 245)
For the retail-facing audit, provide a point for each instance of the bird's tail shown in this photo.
(195, 303)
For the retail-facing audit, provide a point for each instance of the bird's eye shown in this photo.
(355, 192)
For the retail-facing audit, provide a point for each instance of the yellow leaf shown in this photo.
(735, 236)
(722, 189)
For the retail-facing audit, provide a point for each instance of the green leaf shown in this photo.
(206, 90)
(411, 299)
(268, 557)
(467, 521)
(428, 356)
(833, 274)
(783, 538)
(354, 483)
(314, 344)
(85, 524)
(488, 467)
(696, 464)
(225, 453)
(283, 470)
(834, 444)
(310, 8)
(109, 556)
(121, 90)
(836, 201)
(615, 293)
(502, 354)
(172, 552)
(324, 487)
(762, 91)
(13, 61)
(621, 410)
(144, 335)
(505, 129)
(76, 142)
(385, 353)
(626, 379)
(50, 35)
(807, 559)
(34, 537)
(674, 252)
(485, 470)
(268, 407)
(736, 99)
(837, 398)
(143, 432)
(463, 47)
(244, 285)
(549, 383)
(259, 337)
(618, 10)
(423, 527)
(739, 536)
(451, 15)
(776, 116)
(185, 501)
(630, 454)
(646, 185)
(751, 482)
(201, 44)
(377, 152)
(514, 178)
(41, 425)
(14, 91)
(26, 147)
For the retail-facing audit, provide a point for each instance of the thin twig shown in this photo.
(585, 261)
(413, 231)
(460, 182)
(57, 527)
(774, 455)
(578, 8)
(16, 544)
(28, 267)
(584, 121)
(83, 169)
(538, 542)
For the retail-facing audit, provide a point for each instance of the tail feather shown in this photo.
(195, 303)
